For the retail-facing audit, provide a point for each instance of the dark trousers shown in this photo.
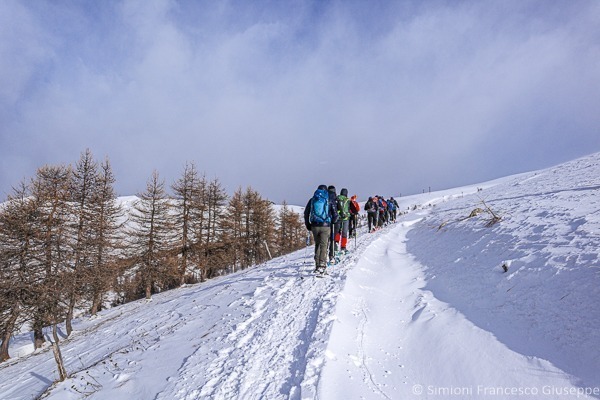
(353, 224)
(341, 233)
(372, 219)
(331, 243)
(321, 235)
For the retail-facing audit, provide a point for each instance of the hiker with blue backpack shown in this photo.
(319, 216)
(396, 208)
(391, 210)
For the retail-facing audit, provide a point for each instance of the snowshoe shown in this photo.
(322, 272)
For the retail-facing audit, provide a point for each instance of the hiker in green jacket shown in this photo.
(342, 225)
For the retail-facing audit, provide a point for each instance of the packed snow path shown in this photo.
(419, 310)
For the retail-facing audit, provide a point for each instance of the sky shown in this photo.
(380, 97)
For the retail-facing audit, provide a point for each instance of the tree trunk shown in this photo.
(4, 347)
(55, 333)
(7, 334)
(149, 291)
(96, 301)
(62, 372)
(183, 268)
(38, 334)
(68, 324)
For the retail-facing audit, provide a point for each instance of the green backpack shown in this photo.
(344, 208)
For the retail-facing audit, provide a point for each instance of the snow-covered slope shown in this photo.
(546, 304)
(420, 309)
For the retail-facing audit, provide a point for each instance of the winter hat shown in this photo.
(322, 187)
(331, 188)
(344, 192)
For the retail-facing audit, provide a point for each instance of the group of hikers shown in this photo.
(333, 218)
(380, 212)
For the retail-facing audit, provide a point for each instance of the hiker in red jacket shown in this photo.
(354, 210)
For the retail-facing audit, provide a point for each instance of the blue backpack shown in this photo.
(319, 208)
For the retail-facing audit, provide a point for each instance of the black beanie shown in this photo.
(322, 187)
(331, 188)
(344, 192)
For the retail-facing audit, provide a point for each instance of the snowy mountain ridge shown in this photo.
(419, 309)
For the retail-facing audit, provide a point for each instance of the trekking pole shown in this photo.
(307, 244)
(355, 230)
(341, 233)
(305, 254)
(332, 241)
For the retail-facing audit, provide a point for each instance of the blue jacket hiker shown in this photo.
(319, 216)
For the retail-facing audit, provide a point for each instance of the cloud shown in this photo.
(378, 97)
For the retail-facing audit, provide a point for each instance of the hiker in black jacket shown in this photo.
(333, 202)
(372, 210)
